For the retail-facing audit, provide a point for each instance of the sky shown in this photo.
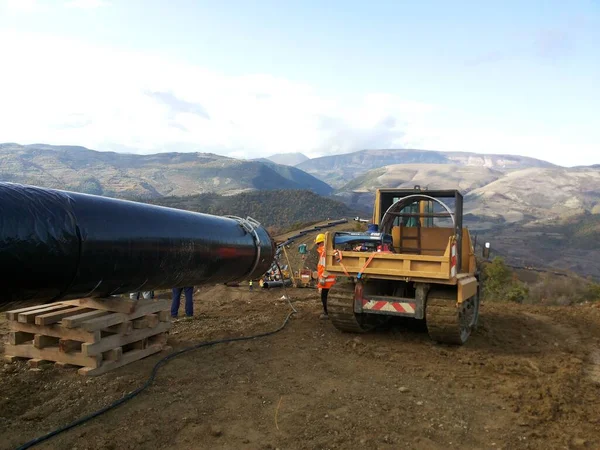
(251, 78)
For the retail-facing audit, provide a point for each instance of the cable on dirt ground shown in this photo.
(152, 376)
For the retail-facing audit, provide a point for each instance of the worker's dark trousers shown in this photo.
(189, 303)
(324, 293)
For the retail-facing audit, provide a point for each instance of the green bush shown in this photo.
(593, 292)
(499, 283)
(518, 293)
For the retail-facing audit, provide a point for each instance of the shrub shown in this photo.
(593, 292)
(499, 283)
(518, 293)
(551, 289)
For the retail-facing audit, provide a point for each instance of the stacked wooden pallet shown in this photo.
(96, 334)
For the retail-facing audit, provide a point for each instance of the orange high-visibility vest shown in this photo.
(325, 280)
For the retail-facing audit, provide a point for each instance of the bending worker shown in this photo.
(325, 279)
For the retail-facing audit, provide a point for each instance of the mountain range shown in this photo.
(146, 176)
(514, 201)
(492, 196)
(498, 188)
(338, 170)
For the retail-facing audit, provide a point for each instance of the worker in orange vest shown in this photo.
(325, 279)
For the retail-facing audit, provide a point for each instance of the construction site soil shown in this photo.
(529, 378)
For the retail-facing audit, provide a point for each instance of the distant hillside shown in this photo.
(492, 196)
(338, 170)
(288, 159)
(440, 176)
(581, 232)
(540, 194)
(126, 175)
(540, 217)
(571, 244)
(280, 209)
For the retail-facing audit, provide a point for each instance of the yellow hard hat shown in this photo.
(320, 238)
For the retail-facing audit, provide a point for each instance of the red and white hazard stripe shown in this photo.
(453, 261)
(380, 305)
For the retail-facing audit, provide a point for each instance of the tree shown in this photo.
(499, 284)
(497, 279)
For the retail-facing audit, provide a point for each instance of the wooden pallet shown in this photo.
(97, 335)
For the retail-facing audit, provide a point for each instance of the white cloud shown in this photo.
(27, 6)
(37, 6)
(86, 4)
(66, 92)
(62, 91)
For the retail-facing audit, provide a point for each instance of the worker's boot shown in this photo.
(324, 316)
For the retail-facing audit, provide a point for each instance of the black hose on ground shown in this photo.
(149, 381)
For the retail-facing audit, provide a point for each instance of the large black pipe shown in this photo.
(274, 284)
(62, 245)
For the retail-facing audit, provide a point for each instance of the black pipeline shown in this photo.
(62, 245)
(274, 284)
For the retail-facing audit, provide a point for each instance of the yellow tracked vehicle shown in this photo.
(416, 261)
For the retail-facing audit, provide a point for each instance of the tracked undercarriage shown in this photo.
(340, 305)
(447, 322)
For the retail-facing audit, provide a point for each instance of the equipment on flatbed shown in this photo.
(361, 242)
(423, 268)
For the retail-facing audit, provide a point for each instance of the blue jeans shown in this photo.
(189, 304)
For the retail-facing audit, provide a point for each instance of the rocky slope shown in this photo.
(539, 194)
(338, 170)
(492, 196)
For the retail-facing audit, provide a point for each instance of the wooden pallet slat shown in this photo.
(62, 365)
(73, 321)
(36, 363)
(117, 318)
(130, 357)
(113, 355)
(120, 328)
(51, 354)
(117, 340)
(12, 315)
(29, 316)
(164, 316)
(43, 341)
(148, 321)
(95, 335)
(113, 304)
(100, 323)
(56, 316)
(75, 334)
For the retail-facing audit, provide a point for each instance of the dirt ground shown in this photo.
(529, 378)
